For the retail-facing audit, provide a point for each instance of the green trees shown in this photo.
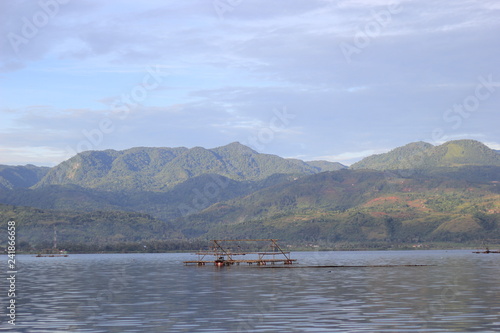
(421, 155)
(122, 199)
(159, 169)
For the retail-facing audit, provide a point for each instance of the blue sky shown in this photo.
(310, 79)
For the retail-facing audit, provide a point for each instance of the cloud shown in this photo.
(351, 157)
(22, 155)
(227, 75)
(493, 145)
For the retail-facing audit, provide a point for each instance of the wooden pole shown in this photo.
(222, 249)
(279, 248)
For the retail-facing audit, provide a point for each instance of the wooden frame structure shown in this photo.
(225, 256)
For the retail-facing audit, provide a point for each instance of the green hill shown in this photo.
(418, 192)
(185, 198)
(323, 166)
(159, 169)
(421, 155)
(75, 231)
(458, 204)
(21, 176)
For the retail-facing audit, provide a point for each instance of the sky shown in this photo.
(332, 80)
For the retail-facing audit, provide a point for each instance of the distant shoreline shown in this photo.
(298, 249)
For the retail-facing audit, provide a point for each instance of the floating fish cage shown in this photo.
(226, 252)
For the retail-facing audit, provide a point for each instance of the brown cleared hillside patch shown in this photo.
(383, 201)
(378, 214)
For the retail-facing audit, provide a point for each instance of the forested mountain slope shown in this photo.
(158, 169)
(421, 155)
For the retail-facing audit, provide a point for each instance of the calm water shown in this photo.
(157, 293)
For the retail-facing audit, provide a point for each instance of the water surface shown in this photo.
(157, 293)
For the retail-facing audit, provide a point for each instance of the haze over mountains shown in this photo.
(21, 176)
(418, 192)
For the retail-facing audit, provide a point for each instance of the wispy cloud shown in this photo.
(351, 157)
(493, 145)
(22, 155)
(226, 76)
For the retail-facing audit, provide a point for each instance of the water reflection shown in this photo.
(156, 293)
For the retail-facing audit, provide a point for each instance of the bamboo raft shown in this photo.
(487, 248)
(226, 257)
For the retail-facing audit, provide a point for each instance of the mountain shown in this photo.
(159, 169)
(365, 206)
(21, 176)
(444, 204)
(418, 192)
(421, 155)
(323, 166)
(182, 199)
(398, 158)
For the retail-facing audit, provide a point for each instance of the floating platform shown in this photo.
(487, 251)
(227, 255)
(227, 262)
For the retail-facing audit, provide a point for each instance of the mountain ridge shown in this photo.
(159, 169)
(21, 176)
(423, 155)
(426, 205)
(234, 191)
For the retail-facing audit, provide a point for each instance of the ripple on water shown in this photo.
(156, 293)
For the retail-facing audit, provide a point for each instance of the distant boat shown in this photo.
(487, 251)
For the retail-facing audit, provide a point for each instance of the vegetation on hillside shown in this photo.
(169, 198)
(35, 228)
(160, 169)
(421, 155)
(21, 176)
(361, 205)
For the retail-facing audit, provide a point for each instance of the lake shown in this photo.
(460, 292)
